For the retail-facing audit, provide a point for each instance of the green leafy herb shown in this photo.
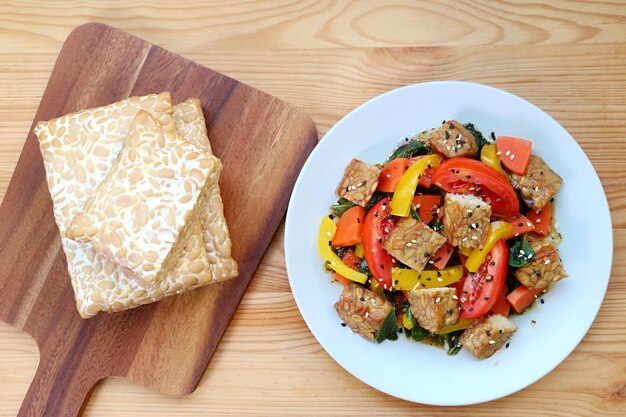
(341, 251)
(511, 282)
(418, 334)
(414, 214)
(452, 342)
(375, 199)
(364, 269)
(437, 226)
(409, 150)
(389, 328)
(520, 253)
(480, 139)
(341, 206)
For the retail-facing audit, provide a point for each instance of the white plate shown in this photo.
(420, 373)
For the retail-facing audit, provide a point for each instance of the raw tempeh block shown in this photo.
(78, 150)
(142, 212)
(190, 124)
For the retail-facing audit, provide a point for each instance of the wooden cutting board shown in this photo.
(166, 346)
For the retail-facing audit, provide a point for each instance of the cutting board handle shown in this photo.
(57, 390)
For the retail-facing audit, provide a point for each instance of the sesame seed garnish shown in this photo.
(492, 342)
(446, 134)
(507, 345)
(542, 301)
(343, 324)
(450, 311)
(529, 224)
(486, 298)
(367, 314)
(437, 299)
(500, 331)
(464, 239)
(533, 323)
(512, 157)
(474, 237)
(388, 175)
(455, 297)
(409, 244)
(508, 153)
(473, 225)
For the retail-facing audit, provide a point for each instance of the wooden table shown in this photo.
(328, 57)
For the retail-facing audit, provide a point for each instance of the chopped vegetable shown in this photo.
(520, 253)
(341, 206)
(427, 206)
(497, 230)
(391, 173)
(522, 297)
(409, 150)
(408, 321)
(514, 153)
(349, 227)
(469, 176)
(482, 288)
(389, 328)
(489, 156)
(402, 197)
(480, 139)
(501, 306)
(442, 256)
(521, 225)
(409, 279)
(376, 227)
(358, 250)
(541, 219)
(327, 231)
(459, 325)
(349, 258)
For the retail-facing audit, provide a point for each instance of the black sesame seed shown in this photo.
(348, 188)
(520, 224)
(507, 345)
(542, 301)
(428, 279)
(488, 333)
(382, 266)
(468, 176)
(450, 311)
(451, 125)
(471, 309)
(486, 298)
(380, 240)
(500, 331)
(362, 299)
(493, 136)
(400, 330)
(423, 285)
(395, 282)
(538, 273)
(330, 242)
(446, 134)
(343, 324)
(375, 213)
(438, 274)
(331, 216)
(426, 255)
(358, 220)
(492, 263)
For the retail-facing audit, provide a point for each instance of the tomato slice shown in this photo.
(426, 177)
(391, 173)
(376, 227)
(482, 288)
(469, 176)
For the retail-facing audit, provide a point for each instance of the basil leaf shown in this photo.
(375, 199)
(414, 214)
(520, 253)
(389, 327)
(408, 150)
(480, 139)
(364, 269)
(418, 334)
(341, 206)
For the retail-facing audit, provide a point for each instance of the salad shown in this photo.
(445, 240)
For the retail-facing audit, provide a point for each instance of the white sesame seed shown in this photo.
(474, 237)
(498, 153)
(492, 342)
(388, 175)
(329, 234)
(454, 296)
(472, 188)
(418, 206)
(438, 299)
(351, 332)
(469, 211)
(464, 239)
(538, 220)
(409, 244)
(547, 261)
(522, 252)
(512, 157)
(463, 299)
(508, 153)
(529, 224)
(386, 230)
(367, 314)
(414, 241)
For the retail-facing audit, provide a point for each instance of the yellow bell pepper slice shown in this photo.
(497, 230)
(358, 250)
(409, 279)
(489, 156)
(377, 288)
(327, 231)
(408, 322)
(459, 325)
(402, 197)
(465, 251)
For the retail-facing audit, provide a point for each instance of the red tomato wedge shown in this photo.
(442, 256)
(501, 306)
(391, 173)
(541, 219)
(469, 176)
(353, 261)
(349, 227)
(522, 297)
(426, 206)
(514, 153)
(376, 227)
(521, 224)
(426, 177)
(482, 288)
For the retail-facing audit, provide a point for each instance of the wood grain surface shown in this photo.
(568, 57)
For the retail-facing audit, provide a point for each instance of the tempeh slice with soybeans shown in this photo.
(146, 206)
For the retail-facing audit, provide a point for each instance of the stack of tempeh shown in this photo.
(136, 198)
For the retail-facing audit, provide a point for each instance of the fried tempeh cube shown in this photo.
(413, 243)
(434, 308)
(487, 335)
(539, 184)
(452, 140)
(545, 266)
(466, 220)
(362, 310)
(359, 182)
